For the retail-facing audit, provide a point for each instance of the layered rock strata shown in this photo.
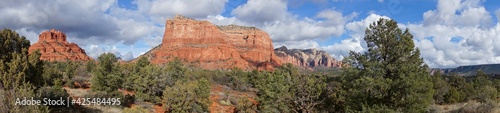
(53, 46)
(208, 46)
(309, 58)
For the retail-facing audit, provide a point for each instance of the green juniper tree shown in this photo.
(150, 83)
(484, 87)
(105, 77)
(307, 90)
(390, 75)
(176, 69)
(274, 90)
(287, 90)
(441, 87)
(20, 73)
(189, 96)
(460, 90)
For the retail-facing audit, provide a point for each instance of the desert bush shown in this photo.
(483, 87)
(136, 110)
(190, 96)
(149, 85)
(478, 107)
(434, 109)
(128, 100)
(222, 79)
(375, 109)
(460, 90)
(441, 88)
(239, 80)
(486, 93)
(8, 98)
(176, 69)
(50, 75)
(454, 96)
(245, 106)
(307, 91)
(53, 93)
(274, 92)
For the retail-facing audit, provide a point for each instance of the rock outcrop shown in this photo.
(308, 58)
(53, 46)
(208, 46)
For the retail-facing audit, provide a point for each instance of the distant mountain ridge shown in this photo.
(308, 58)
(491, 69)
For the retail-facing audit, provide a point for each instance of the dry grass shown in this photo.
(106, 109)
(145, 105)
(80, 92)
(467, 107)
(219, 94)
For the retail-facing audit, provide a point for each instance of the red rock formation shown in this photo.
(54, 47)
(215, 47)
(309, 58)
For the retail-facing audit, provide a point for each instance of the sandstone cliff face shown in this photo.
(54, 47)
(214, 47)
(308, 58)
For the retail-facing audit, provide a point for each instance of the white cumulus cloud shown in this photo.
(457, 33)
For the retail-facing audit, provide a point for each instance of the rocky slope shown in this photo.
(208, 46)
(53, 46)
(309, 58)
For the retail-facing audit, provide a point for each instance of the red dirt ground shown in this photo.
(217, 107)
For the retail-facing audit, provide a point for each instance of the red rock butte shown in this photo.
(53, 46)
(308, 58)
(208, 46)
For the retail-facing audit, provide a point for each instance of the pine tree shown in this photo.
(390, 76)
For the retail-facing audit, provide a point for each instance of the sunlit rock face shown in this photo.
(53, 46)
(208, 46)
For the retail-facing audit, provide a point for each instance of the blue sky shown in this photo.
(449, 33)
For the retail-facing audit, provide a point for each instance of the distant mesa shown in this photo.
(470, 70)
(308, 58)
(208, 46)
(53, 46)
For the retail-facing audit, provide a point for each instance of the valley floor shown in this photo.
(220, 97)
